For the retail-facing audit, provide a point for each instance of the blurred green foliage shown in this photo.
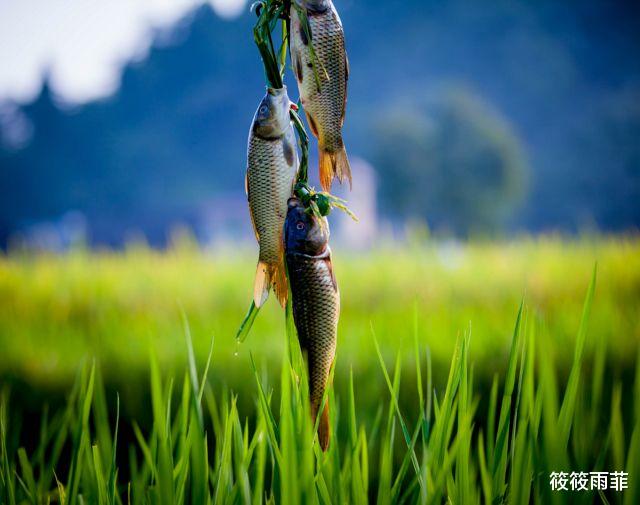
(451, 161)
(56, 311)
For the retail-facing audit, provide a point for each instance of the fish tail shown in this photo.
(261, 284)
(334, 164)
(280, 285)
(268, 275)
(324, 428)
(342, 166)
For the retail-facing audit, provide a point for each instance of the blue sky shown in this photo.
(81, 43)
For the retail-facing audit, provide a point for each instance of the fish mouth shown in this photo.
(277, 92)
(276, 125)
(313, 6)
(294, 201)
(280, 96)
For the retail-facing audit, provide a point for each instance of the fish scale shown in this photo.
(269, 184)
(316, 308)
(327, 107)
(323, 91)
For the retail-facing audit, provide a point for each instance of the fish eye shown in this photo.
(300, 225)
(264, 109)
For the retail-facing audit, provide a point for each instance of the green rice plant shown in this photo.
(454, 445)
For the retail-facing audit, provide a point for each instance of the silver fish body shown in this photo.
(272, 164)
(323, 91)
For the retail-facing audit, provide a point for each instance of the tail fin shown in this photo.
(280, 285)
(261, 284)
(268, 275)
(334, 164)
(324, 428)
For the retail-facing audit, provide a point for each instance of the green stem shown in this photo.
(286, 22)
(303, 141)
(267, 20)
(247, 323)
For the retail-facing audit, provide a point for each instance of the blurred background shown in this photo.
(124, 120)
(495, 149)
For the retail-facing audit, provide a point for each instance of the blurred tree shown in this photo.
(173, 137)
(452, 161)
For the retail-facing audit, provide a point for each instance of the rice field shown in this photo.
(465, 374)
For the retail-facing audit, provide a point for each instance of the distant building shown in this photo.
(362, 201)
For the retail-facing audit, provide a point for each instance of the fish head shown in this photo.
(272, 117)
(304, 232)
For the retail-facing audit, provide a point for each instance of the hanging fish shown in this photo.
(272, 165)
(321, 68)
(315, 301)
